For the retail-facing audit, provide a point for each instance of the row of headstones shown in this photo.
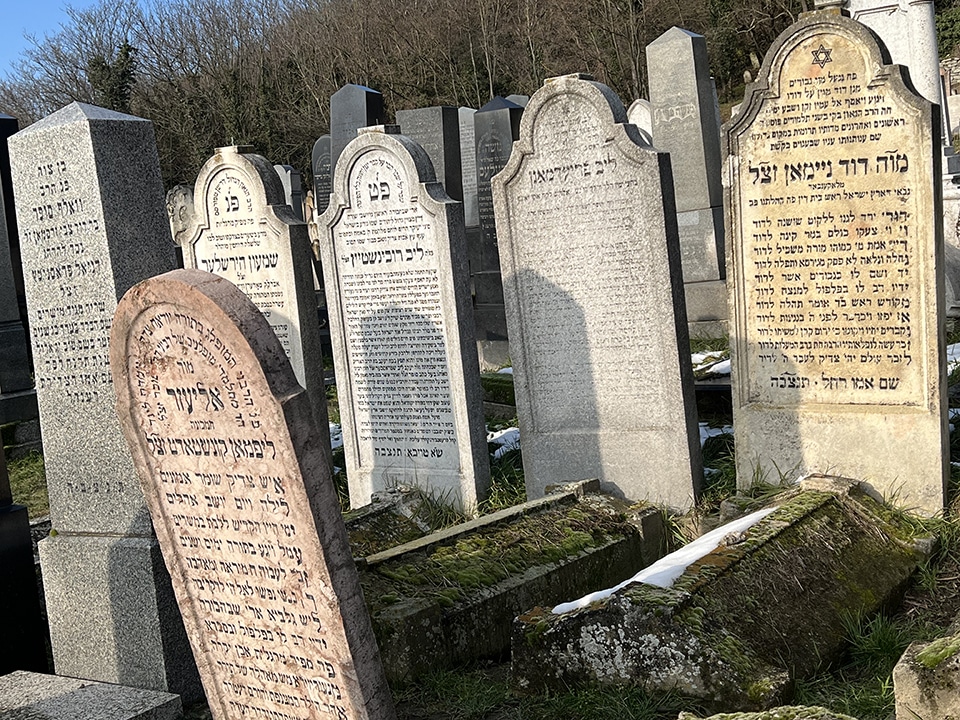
(588, 244)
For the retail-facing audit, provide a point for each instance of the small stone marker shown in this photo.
(351, 107)
(836, 268)
(408, 380)
(437, 131)
(496, 127)
(594, 297)
(686, 123)
(245, 231)
(322, 176)
(231, 464)
(90, 207)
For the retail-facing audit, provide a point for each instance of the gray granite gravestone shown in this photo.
(396, 276)
(351, 108)
(437, 131)
(23, 640)
(686, 124)
(90, 208)
(468, 167)
(594, 297)
(292, 188)
(232, 467)
(322, 176)
(836, 268)
(496, 127)
(245, 231)
(18, 400)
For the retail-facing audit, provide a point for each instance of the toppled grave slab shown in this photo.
(452, 596)
(791, 712)
(738, 624)
(394, 517)
(926, 680)
(34, 696)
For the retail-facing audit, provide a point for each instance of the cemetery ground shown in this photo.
(860, 684)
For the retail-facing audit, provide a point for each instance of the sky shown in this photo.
(36, 17)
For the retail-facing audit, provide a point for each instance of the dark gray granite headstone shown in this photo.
(351, 108)
(322, 173)
(23, 640)
(90, 207)
(496, 127)
(437, 129)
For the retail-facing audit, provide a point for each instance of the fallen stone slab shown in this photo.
(451, 597)
(789, 712)
(734, 626)
(926, 680)
(32, 696)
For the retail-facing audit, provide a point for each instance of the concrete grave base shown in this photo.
(926, 681)
(30, 696)
(763, 608)
(109, 626)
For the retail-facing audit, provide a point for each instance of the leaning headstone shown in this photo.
(437, 131)
(836, 268)
(686, 124)
(351, 107)
(496, 127)
(395, 271)
(292, 188)
(601, 357)
(245, 231)
(23, 640)
(91, 211)
(322, 177)
(231, 463)
(17, 398)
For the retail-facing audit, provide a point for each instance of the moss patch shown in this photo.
(938, 651)
(498, 388)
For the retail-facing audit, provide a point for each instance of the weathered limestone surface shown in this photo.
(763, 608)
(836, 268)
(595, 304)
(926, 680)
(232, 466)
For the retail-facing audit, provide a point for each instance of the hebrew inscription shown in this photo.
(831, 213)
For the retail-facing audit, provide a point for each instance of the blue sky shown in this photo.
(34, 17)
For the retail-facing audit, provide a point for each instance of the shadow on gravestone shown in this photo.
(836, 269)
(232, 466)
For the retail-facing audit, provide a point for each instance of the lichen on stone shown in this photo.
(938, 651)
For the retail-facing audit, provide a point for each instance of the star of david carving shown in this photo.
(821, 56)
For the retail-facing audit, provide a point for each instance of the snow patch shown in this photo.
(664, 572)
(336, 436)
(508, 439)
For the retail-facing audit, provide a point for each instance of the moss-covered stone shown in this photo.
(498, 388)
(926, 680)
(735, 629)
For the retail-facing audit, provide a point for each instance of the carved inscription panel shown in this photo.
(585, 276)
(241, 246)
(391, 298)
(835, 192)
(234, 519)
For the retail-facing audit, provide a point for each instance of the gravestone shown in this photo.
(18, 400)
(90, 207)
(686, 124)
(496, 127)
(232, 466)
(836, 268)
(292, 188)
(244, 231)
(594, 297)
(640, 114)
(520, 100)
(408, 380)
(437, 131)
(322, 176)
(468, 166)
(23, 641)
(351, 107)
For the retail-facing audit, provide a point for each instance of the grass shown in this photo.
(28, 482)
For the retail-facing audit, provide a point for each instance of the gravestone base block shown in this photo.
(116, 637)
(27, 696)
(701, 244)
(707, 312)
(22, 644)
